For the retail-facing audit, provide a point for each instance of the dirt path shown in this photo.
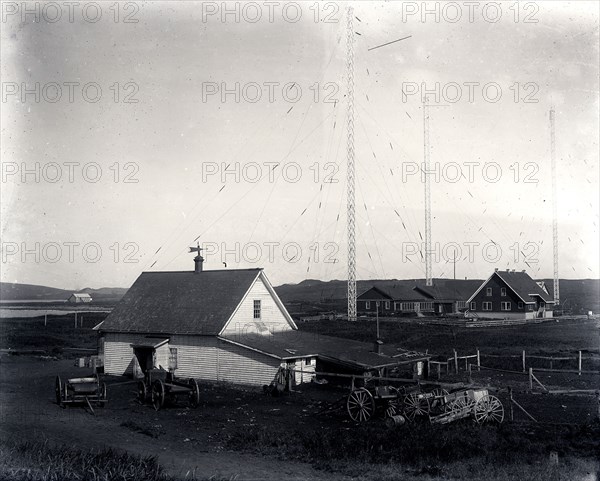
(182, 443)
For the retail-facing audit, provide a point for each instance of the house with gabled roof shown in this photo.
(391, 300)
(511, 295)
(449, 296)
(225, 325)
(79, 298)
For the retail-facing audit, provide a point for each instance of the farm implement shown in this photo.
(438, 405)
(81, 390)
(160, 386)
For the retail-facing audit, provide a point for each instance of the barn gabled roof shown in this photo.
(182, 302)
(521, 284)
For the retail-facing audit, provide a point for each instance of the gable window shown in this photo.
(520, 305)
(387, 304)
(503, 291)
(486, 306)
(257, 309)
(505, 306)
(473, 305)
(488, 291)
(367, 305)
(172, 358)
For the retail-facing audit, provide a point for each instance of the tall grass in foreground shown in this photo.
(39, 461)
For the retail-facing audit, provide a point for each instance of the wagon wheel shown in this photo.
(194, 393)
(415, 404)
(102, 395)
(58, 390)
(461, 403)
(142, 391)
(158, 394)
(360, 405)
(438, 403)
(489, 409)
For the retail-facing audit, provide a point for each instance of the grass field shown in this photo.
(285, 433)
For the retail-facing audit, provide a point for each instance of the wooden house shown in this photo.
(511, 295)
(80, 298)
(393, 300)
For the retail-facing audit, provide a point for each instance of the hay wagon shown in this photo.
(81, 390)
(388, 401)
(477, 403)
(160, 386)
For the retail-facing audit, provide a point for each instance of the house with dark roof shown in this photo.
(449, 296)
(226, 325)
(392, 300)
(511, 295)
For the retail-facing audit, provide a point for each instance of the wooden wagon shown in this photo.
(160, 386)
(477, 403)
(387, 401)
(81, 390)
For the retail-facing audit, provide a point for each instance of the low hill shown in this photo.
(11, 291)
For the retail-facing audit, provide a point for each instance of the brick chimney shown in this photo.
(377, 348)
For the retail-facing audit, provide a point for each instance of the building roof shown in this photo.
(450, 289)
(397, 292)
(181, 302)
(521, 284)
(83, 295)
(297, 344)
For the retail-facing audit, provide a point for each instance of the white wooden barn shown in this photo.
(223, 325)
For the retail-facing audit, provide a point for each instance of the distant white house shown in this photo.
(77, 298)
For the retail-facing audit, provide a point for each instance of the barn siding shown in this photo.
(245, 366)
(196, 356)
(118, 353)
(272, 318)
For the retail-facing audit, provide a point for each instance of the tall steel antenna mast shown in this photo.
(350, 172)
(556, 289)
(428, 277)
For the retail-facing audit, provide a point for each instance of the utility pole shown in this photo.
(350, 173)
(428, 276)
(556, 289)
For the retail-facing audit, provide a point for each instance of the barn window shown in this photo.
(397, 306)
(488, 291)
(172, 358)
(503, 291)
(520, 305)
(473, 306)
(505, 306)
(257, 309)
(486, 306)
(387, 304)
(367, 305)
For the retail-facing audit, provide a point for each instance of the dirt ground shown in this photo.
(186, 441)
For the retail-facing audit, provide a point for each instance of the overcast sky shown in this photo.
(162, 133)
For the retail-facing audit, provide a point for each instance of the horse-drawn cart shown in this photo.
(159, 386)
(389, 401)
(81, 390)
(478, 403)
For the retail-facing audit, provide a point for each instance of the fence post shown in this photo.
(478, 361)
(524, 369)
(531, 379)
(45, 319)
(550, 363)
(470, 378)
(455, 361)
(579, 363)
(511, 403)
(75, 320)
(439, 369)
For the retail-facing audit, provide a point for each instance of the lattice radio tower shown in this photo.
(350, 169)
(426, 154)
(556, 289)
